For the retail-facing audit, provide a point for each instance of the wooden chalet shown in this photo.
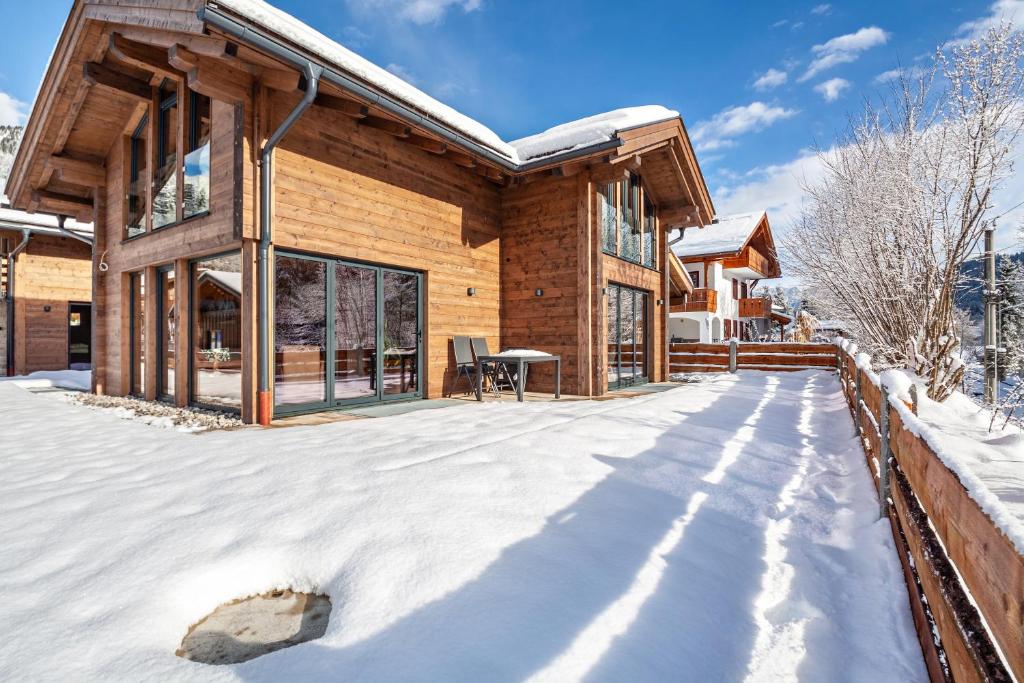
(45, 293)
(725, 261)
(282, 226)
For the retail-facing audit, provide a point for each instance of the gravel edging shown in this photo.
(159, 414)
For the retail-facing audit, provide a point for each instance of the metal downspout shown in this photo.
(264, 408)
(26, 235)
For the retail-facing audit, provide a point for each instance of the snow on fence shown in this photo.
(735, 355)
(964, 574)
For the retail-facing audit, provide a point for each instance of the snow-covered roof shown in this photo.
(13, 219)
(726, 234)
(227, 279)
(588, 131)
(831, 325)
(568, 136)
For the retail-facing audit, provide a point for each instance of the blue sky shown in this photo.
(758, 84)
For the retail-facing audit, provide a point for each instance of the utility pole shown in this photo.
(991, 295)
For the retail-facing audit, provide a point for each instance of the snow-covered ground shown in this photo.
(720, 531)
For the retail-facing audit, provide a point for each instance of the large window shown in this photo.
(137, 333)
(138, 179)
(168, 161)
(196, 193)
(217, 331)
(165, 174)
(627, 336)
(628, 221)
(344, 333)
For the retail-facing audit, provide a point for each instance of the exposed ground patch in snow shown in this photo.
(713, 532)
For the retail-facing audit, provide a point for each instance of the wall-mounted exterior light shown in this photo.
(661, 302)
(538, 292)
(471, 291)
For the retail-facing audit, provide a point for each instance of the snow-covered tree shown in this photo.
(905, 198)
(805, 328)
(1010, 281)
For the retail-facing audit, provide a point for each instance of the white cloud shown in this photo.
(832, 88)
(719, 130)
(416, 11)
(895, 74)
(1011, 11)
(822, 9)
(844, 49)
(780, 23)
(777, 188)
(772, 78)
(402, 72)
(12, 112)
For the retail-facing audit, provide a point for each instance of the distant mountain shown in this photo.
(969, 293)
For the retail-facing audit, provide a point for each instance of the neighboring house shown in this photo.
(45, 293)
(283, 226)
(725, 261)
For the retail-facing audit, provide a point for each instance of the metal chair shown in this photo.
(465, 363)
(498, 373)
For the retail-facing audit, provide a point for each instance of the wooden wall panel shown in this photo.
(539, 250)
(353, 192)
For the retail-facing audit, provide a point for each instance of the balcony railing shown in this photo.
(700, 301)
(757, 307)
(750, 258)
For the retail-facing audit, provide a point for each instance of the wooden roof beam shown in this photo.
(340, 104)
(399, 130)
(211, 77)
(460, 159)
(68, 205)
(491, 173)
(427, 144)
(141, 55)
(78, 171)
(678, 215)
(108, 78)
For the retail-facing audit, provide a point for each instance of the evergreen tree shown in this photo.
(1010, 279)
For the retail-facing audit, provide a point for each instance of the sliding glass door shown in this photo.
(357, 324)
(627, 336)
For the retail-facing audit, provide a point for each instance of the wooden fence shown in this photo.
(732, 356)
(965, 577)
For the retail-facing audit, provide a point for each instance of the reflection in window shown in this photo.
(217, 331)
(648, 233)
(137, 332)
(606, 214)
(167, 324)
(401, 331)
(196, 192)
(355, 331)
(300, 331)
(138, 178)
(165, 181)
(630, 239)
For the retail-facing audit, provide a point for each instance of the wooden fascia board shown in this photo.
(691, 156)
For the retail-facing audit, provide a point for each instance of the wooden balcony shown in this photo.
(754, 260)
(758, 307)
(700, 301)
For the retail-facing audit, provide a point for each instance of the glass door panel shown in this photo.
(300, 332)
(640, 334)
(613, 335)
(626, 334)
(355, 332)
(167, 324)
(400, 342)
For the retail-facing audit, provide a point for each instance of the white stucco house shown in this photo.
(725, 261)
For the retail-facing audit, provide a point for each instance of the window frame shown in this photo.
(642, 202)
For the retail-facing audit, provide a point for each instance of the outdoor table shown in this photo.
(522, 362)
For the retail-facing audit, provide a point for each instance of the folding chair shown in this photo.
(495, 371)
(465, 363)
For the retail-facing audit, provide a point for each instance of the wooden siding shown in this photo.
(51, 272)
(354, 192)
(540, 232)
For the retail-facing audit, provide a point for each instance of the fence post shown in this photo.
(732, 355)
(858, 412)
(883, 452)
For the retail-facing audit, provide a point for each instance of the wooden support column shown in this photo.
(125, 326)
(99, 354)
(182, 332)
(584, 286)
(250, 294)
